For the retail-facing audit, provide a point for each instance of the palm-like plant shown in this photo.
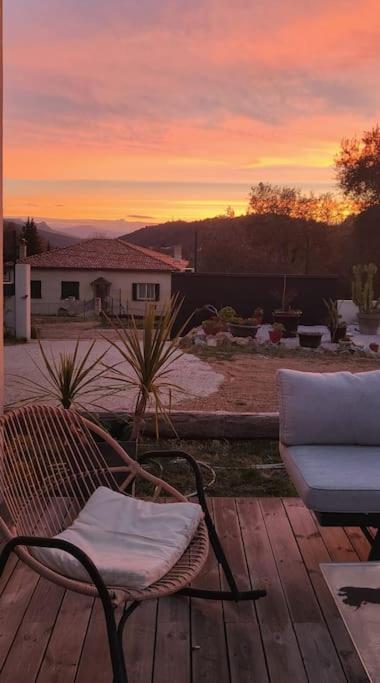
(150, 359)
(68, 380)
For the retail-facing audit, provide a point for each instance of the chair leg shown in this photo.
(116, 652)
(374, 553)
(233, 593)
(126, 614)
(115, 646)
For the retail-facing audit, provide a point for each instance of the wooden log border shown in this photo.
(199, 424)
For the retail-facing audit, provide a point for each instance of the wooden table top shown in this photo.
(356, 590)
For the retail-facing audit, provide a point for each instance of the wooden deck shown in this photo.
(293, 635)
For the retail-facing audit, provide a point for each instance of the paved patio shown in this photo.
(293, 635)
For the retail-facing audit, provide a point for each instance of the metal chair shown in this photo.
(52, 462)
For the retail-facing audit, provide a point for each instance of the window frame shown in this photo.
(76, 285)
(147, 285)
(36, 282)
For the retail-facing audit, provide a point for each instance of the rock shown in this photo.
(242, 341)
(223, 342)
(211, 340)
(224, 335)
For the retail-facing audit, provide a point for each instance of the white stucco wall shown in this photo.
(121, 287)
(9, 316)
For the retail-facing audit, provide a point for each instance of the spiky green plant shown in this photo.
(334, 318)
(149, 352)
(68, 380)
(363, 294)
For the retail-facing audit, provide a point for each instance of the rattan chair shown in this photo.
(52, 461)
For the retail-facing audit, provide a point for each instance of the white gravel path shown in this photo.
(193, 375)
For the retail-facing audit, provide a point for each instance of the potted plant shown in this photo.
(337, 326)
(275, 334)
(226, 314)
(363, 296)
(243, 327)
(213, 325)
(286, 315)
(310, 340)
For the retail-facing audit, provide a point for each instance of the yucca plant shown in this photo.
(68, 380)
(149, 352)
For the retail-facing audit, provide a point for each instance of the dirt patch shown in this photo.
(250, 380)
(67, 328)
(240, 468)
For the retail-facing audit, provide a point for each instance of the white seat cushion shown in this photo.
(133, 543)
(335, 478)
(329, 408)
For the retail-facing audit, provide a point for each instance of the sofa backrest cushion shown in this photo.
(329, 408)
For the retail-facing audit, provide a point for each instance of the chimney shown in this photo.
(178, 252)
(22, 249)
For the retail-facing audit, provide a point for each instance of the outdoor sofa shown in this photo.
(330, 444)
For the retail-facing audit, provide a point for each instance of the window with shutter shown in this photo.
(145, 291)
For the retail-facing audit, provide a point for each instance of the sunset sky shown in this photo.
(158, 109)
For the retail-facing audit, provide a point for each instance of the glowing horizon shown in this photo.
(171, 110)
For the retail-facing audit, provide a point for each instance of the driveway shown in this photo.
(195, 377)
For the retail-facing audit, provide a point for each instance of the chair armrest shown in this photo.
(151, 455)
(60, 544)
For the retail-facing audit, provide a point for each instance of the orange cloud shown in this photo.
(197, 92)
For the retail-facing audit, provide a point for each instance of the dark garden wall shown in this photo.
(246, 292)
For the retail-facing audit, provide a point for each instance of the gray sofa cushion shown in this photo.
(329, 408)
(335, 478)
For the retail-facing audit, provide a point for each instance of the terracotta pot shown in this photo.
(275, 336)
(369, 323)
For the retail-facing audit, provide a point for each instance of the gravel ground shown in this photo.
(192, 374)
(250, 379)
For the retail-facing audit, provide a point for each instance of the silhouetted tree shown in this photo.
(358, 167)
(30, 234)
(265, 198)
(10, 241)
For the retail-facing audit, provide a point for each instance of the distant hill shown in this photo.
(256, 244)
(50, 237)
(57, 238)
(166, 236)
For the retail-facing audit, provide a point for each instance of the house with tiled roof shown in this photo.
(119, 276)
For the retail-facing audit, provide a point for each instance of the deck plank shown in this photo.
(13, 604)
(359, 542)
(294, 635)
(173, 636)
(314, 551)
(318, 651)
(280, 643)
(209, 647)
(65, 645)
(246, 655)
(95, 662)
(28, 649)
(337, 543)
(139, 640)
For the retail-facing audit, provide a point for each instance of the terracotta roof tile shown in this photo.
(104, 254)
